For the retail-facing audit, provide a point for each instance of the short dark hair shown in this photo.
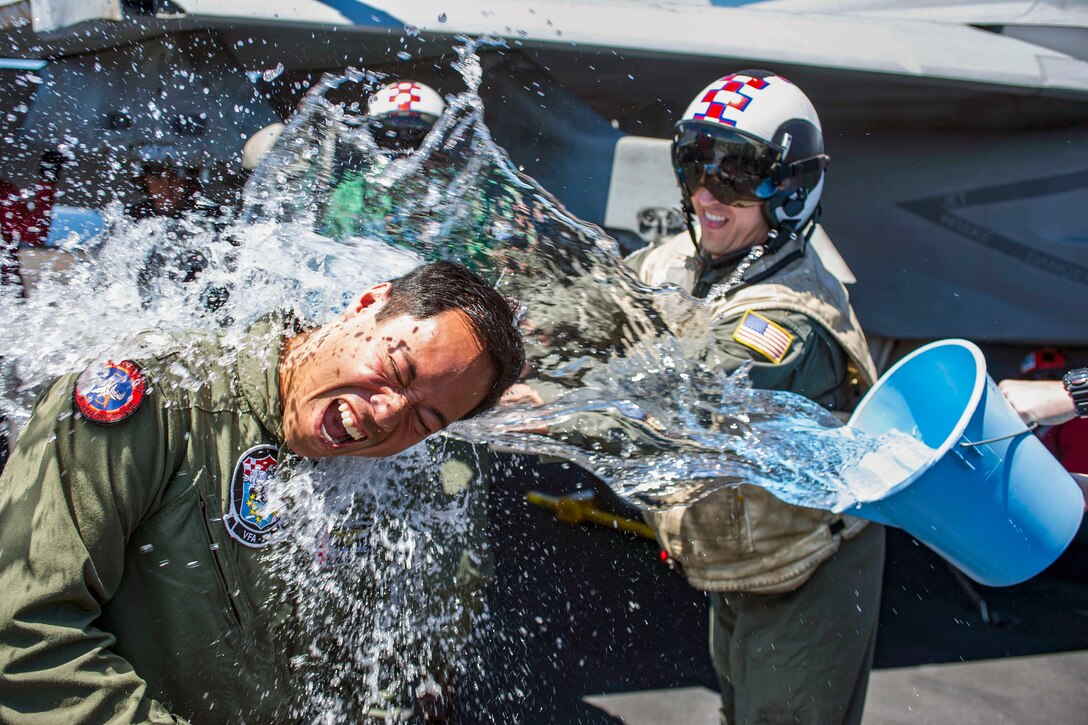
(440, 286)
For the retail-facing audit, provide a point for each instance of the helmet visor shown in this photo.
(736, 169)
(402, 133)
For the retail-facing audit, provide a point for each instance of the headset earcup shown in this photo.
(795, 203)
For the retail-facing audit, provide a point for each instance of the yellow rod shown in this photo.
(572, 510)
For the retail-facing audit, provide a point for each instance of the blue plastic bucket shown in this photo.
(992, 500)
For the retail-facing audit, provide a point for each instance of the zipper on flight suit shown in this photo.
(214, 545)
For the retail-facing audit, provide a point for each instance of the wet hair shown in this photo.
(427, 291)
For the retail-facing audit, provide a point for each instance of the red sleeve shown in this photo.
(1069, 444)
(26, 218)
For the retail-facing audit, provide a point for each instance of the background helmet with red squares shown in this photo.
(402, 113)
(753, 138)
(1044, 363)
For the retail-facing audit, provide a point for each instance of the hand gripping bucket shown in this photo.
(992, 500)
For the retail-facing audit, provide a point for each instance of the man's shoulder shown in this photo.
(794, 322)
(177, 350)
(180, 368)
(779, 335)
(674, 250)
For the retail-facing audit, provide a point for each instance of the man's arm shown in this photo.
(70, 496)
(1045, 402)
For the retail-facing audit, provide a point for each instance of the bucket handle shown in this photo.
(1030, 427)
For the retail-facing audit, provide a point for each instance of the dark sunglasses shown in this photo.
(400, 133)
(735, 168)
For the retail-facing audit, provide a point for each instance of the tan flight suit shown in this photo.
(795, 592)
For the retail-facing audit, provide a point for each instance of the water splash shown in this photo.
(632, 388)
(664, 433)
(384, 567)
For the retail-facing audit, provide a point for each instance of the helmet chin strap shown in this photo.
(689, 219)
(776, 238)
(736, 280)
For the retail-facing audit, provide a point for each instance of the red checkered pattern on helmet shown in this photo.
(404, 94)
(730, 95)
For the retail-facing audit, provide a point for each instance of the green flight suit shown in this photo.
(404, 215)
(127, 598)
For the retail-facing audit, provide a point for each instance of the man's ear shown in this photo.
(371, 300)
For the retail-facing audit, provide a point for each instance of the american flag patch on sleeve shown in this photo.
(765, 337)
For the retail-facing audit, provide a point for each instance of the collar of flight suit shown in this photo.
(258, 369)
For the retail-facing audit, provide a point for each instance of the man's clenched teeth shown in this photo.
(349, 422)
(339, 426)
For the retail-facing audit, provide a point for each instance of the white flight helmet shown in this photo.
(753, 138)
(402, 114)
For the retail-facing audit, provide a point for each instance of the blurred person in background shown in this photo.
(399, 116)
(169, 188)
(25, 215)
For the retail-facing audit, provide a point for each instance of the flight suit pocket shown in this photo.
(175, 565)
(713, 529)
(716, 527)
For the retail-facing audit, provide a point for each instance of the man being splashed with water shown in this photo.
(137, 522)
(794, 591)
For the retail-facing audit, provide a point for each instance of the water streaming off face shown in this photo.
(628, 373)
(384, 570)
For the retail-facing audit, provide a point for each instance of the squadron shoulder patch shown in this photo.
(765, 337)
(110, 392)
(250, 519)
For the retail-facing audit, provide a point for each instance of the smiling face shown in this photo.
(359, 387)
(725, 229)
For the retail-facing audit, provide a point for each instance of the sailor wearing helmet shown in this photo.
(399, 120)
(794, 592)
(399, 117)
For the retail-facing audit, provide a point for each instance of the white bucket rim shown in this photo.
(957, 430)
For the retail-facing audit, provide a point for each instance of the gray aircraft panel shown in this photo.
(954, 234)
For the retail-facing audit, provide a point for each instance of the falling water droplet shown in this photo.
(272, 73)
